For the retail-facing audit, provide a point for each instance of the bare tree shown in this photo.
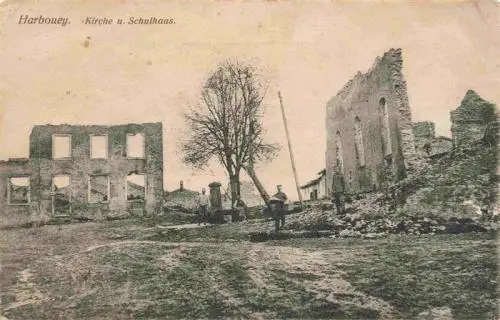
(227, 126)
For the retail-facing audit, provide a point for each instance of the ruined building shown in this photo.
(427, 143)
(84, 171)
(369, 127)
(475, 119)
(370, 135)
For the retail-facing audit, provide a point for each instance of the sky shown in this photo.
(116, 74)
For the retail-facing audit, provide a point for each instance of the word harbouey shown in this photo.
(26, 19)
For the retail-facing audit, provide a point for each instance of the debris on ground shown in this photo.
(455, 194)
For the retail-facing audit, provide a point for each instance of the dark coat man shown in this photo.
(279, 200)
(241, 206)
(339, 191)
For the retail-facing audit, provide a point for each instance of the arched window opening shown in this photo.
(339, 162)
(386, 130)
(358, 142)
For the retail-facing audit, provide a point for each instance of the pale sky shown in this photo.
(308, 51)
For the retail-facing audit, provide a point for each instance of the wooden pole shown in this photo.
(290, 150)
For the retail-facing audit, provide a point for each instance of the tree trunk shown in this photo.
(238, 185)
(234, 182)
(258, 184)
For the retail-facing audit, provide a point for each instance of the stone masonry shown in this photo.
(426, 141)
(85, 182)
(369, 127)
(474, 119)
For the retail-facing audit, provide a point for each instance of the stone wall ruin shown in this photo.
(427, 143)
(475, 119)
(369, 127)
(90, 172)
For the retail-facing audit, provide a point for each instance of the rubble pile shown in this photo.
(364, 218)
(461, 185)
(455, 194)
(370, 220)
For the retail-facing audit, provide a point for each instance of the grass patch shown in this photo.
(295, 301)
(453, 272)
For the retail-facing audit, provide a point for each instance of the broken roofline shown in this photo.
(347, 86)
(93, 126)
(117, 135)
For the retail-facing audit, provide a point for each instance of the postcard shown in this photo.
(249, 159)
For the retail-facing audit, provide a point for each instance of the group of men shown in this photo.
(278, 201)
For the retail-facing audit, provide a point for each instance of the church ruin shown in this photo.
(369, 128)
(371, 138)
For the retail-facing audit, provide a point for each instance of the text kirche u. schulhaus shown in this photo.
(63, 21)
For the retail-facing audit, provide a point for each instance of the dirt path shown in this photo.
(330, 285)
(323, 278)
(71, 252)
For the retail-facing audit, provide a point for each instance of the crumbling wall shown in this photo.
(471, 120)
(402, 105)
(423, 132)
(426, 142)
(80, 166)
(440, 145)
(117, 166)
(378, 99)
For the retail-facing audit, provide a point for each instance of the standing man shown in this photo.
(280, 198)
(241, 207)
(202, 204)
(339, 190)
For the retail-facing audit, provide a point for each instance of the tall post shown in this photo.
(290, 150)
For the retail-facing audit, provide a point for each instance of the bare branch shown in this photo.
(227, 125)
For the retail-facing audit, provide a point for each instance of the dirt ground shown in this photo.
(128, 270)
